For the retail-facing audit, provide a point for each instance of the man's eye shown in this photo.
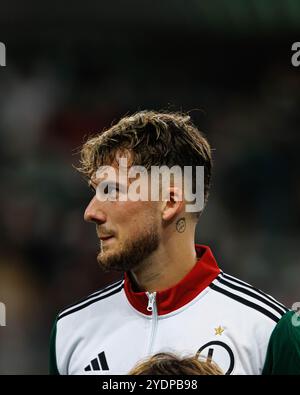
(109, 189)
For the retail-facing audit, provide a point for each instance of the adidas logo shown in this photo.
(98, 363)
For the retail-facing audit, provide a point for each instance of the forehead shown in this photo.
(121, 161)
(118, 172)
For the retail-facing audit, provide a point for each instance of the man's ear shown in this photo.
(173, 203)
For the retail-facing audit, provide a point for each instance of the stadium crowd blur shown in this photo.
(246, 104)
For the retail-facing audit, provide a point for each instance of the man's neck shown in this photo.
(165, 268)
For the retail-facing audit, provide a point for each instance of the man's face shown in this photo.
(129, 231)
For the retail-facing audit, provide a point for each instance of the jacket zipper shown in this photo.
(153, 308)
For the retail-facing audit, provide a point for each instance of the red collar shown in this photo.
(171, 299)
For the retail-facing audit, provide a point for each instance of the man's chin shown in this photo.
(131, 254)
(109, 262)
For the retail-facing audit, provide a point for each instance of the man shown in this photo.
(174, 297)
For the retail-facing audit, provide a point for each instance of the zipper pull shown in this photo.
(151, 300)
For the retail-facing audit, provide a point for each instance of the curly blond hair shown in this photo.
(171, 364)
(150, 138)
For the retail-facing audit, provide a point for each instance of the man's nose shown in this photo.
(93, 212)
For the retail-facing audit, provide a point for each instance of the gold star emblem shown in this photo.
(219, 330)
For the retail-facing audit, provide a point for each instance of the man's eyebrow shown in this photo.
(92, 184)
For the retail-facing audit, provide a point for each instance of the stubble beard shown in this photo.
(132, 253)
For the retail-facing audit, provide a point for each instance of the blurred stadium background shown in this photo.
(72, 70)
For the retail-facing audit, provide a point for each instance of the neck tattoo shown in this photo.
(180, 225)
